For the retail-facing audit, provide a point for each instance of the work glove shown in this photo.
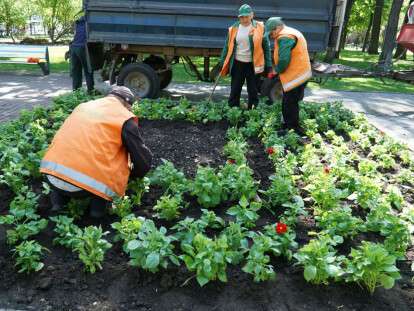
(271, 75)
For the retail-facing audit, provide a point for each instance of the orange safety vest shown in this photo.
(87, 151)
(258, 54)
(299, 69)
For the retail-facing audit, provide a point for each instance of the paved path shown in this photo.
(392, 113)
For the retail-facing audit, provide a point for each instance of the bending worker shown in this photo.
(246, 54)
(95, 151)
(292, 64)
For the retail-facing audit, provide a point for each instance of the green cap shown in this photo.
(245, 10)
(272, 23)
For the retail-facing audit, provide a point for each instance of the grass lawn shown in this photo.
(348, 57)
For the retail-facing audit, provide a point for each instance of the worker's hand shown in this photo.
(271, 74)
(67, 55)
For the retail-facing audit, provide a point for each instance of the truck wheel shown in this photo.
(159, 63)
(141, 79)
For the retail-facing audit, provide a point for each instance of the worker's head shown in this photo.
(124, 94)
(245, 15)
(274, 25)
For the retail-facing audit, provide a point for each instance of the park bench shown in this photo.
(26, 54)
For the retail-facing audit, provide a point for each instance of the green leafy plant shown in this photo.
(339, 222)
(238, 181)
(23, 231)
(152, 249)
(372, 266)
(395, 197)
(258, 259)
(237, 240)
(28, 255)
(91, 247)
(138, 187)
(245, 212)
(323, 191)
(188, 228)
(320, 262)
(208, 258)
(128, 228)
(281, 190)
(207, 187)
(67, 232)
(294, 209)
(209, 219)
(122, 206)
(368, 191)
(168, 207)
(169, 178)
(285, 242)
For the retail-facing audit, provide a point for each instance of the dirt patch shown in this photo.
(62, 285)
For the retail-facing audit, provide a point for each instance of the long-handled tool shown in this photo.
(214, 88)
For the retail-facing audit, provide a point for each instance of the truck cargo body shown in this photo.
(171, 29)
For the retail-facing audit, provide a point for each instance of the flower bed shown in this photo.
(229, 201)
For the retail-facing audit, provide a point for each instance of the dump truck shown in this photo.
(137, 43)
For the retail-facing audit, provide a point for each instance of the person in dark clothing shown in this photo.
(79, 57)
(87, 159)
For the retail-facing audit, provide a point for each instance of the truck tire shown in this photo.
(141, 79)
(159, 63)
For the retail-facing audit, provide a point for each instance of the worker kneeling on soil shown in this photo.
(95, 151)
(292, 64)
(246, 54)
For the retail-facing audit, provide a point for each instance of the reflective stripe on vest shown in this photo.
(78, 177)
(299, 69)
(298, 81)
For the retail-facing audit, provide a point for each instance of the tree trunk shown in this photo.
(385, 60)
(376, 27)
(401, 52)
(368, 32)
(344, 34)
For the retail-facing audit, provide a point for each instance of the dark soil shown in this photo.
(62, 284)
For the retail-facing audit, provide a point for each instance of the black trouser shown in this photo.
(241, 72)
(290, 106)
(79, 63)
(62, 197)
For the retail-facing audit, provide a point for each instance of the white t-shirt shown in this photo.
(243, 52)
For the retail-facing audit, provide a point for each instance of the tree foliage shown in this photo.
(13, 14)
(58, 16)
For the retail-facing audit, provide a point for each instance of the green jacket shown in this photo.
(285, 50)
(265, 44)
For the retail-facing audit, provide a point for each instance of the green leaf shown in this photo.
(387, 281)
(152, 261)
(202, 280)
(133, 245)
(309, 273)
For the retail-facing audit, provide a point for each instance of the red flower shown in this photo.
(281, 228)
(270, 150)
(327, 169)
(231, 161)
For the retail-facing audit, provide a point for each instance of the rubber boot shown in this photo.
(57, 200)
(98, 207)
